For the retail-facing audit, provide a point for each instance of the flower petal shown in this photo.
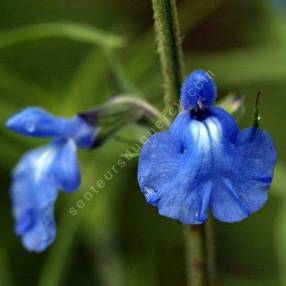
(80, 131)
(36, 180)
(156, 166)
(174, 171)
(36, 122)
(65, 167)
(43, 232)
(203, 160)
(40, 123)
(225, 123)
(245, 190)
(33, 209)
(198, 89)
(33, 171)
(257, 151)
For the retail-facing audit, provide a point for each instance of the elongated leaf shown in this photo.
(76, 32)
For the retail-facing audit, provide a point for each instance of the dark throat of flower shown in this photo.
(200, 113)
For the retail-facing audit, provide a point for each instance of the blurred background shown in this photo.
(117, 239)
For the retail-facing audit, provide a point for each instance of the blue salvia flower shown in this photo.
(205, 162)
(42, 172)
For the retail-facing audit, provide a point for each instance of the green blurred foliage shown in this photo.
(116, 239)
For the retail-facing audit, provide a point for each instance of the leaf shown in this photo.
(76, 32)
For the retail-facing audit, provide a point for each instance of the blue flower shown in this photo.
(205, 162)
(42, 172)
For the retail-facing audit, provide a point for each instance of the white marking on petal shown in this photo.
(43, 162)
(215, 130)
(201, 136)
(207, 136)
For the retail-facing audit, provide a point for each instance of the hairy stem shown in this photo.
(200, 255)
(195, 255)
(210, 254)
(169, 48)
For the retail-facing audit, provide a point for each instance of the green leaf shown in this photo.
(75, 32)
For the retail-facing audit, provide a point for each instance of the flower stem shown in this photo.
(169, 48)
(200, 255)
(199, 239)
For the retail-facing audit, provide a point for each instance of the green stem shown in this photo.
(195, 255)
(5, 269)
(200, 255)
(199, 240)
(169, 48)
(210, 253)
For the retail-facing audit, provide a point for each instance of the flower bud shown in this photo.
(199, 91)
